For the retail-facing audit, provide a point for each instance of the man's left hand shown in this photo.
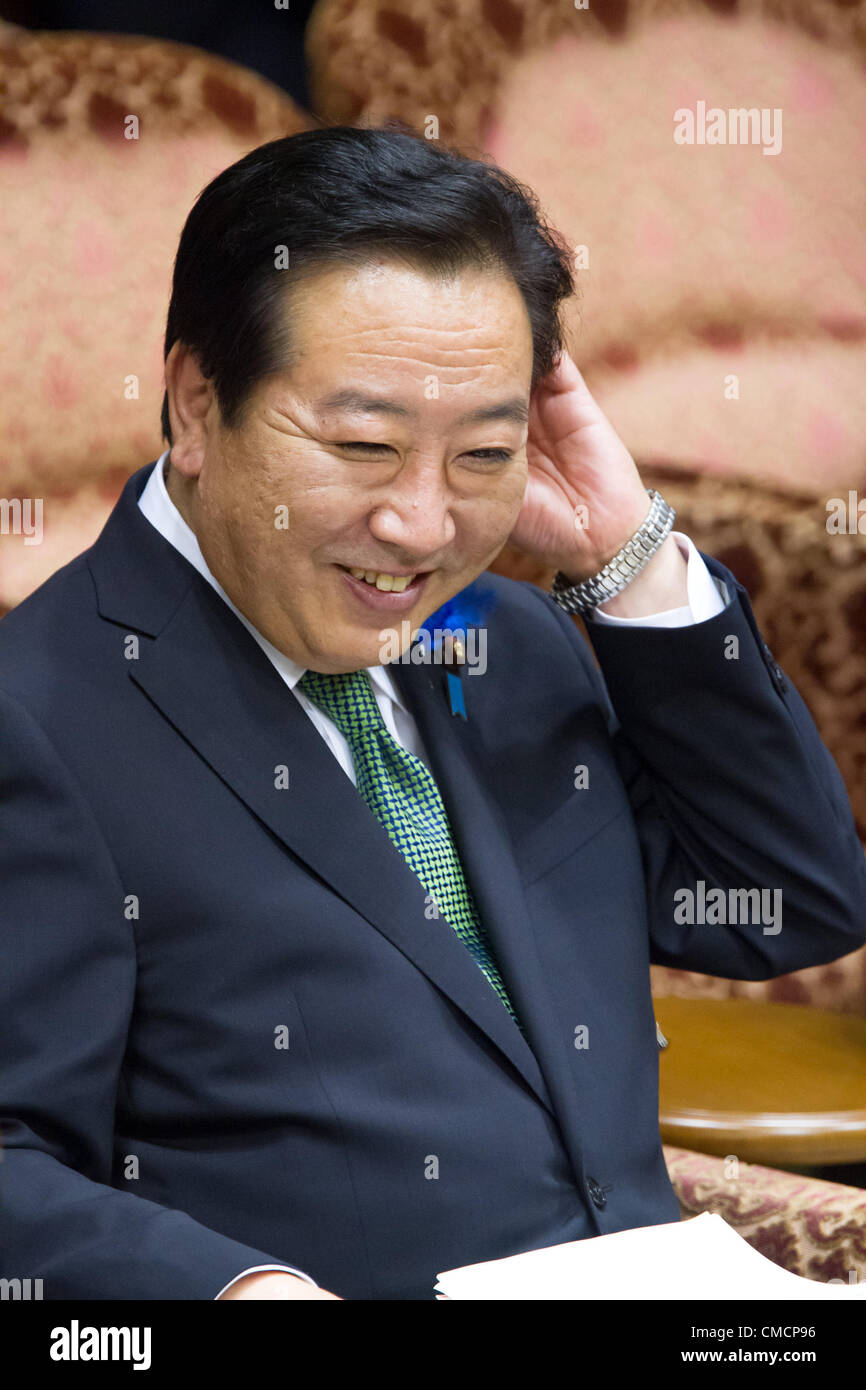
(584, 497)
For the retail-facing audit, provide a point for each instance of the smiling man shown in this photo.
(317, 984)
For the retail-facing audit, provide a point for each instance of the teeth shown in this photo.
(389, 583)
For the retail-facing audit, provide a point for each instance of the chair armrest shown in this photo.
(813, 1228)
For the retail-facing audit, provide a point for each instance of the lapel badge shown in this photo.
(446, 630)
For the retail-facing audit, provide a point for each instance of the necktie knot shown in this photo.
(346, 698)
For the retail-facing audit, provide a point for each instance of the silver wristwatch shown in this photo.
(582, 598)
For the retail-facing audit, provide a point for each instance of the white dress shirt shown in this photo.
(707, 597)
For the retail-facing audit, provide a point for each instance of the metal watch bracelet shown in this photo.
(628, 562)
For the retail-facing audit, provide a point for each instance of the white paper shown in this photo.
(700, 1258)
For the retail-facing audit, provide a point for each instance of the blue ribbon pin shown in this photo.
(468, 607)
(455, 694)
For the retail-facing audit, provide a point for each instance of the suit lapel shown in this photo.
(212, 681)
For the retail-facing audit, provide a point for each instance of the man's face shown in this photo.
(371, 454)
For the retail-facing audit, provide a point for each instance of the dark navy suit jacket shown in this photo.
(171, 912)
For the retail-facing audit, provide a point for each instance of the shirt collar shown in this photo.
(161, 512)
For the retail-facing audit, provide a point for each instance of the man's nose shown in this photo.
(415, 515)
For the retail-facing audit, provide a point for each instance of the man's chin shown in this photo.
(389, 643)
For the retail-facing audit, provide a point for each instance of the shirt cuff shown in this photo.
(707, 596)
(256, 1269)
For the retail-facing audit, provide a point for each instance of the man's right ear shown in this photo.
(190, 396)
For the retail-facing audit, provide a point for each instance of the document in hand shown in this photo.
(700, 1258)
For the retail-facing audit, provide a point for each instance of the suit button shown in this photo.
(596, 1193)
(775, 669)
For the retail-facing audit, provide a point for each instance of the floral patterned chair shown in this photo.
(721, 320)
(813, 1228)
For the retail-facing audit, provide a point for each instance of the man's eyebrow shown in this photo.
(515, 408)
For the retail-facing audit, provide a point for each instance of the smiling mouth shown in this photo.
(386, 581)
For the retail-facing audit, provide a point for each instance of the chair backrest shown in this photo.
(721, 319)
(105, 142)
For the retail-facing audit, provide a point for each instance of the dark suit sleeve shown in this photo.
(67, 984)
(730, 784)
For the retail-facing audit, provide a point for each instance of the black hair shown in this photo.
(339, 195)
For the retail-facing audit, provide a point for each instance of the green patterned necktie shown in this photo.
(402, 793)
